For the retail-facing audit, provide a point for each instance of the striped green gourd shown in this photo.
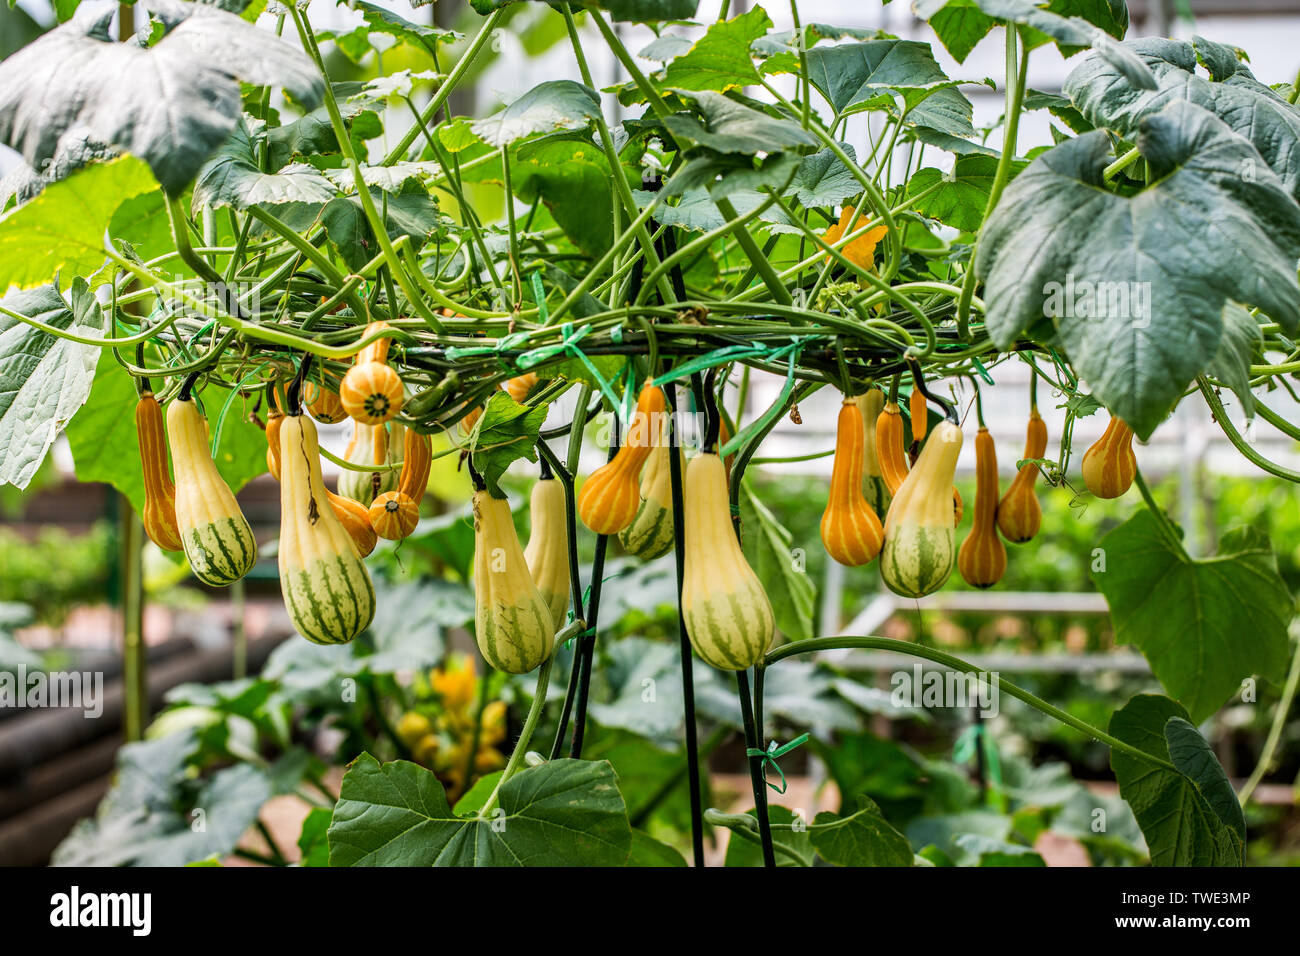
(920, 533)
(326, 587)
(650, 535)
(512, 622)
(216, 537)
(727, 613)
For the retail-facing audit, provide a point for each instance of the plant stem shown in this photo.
(956, 663)
(1275, 730)
(1230, 430)
(1125, 161)
(525, 735)
(754, 743)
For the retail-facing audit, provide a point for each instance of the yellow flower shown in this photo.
(861, 251)
(412, 727)
(455, 684)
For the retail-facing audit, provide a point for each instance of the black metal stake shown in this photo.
(688, 677)
(753, 745)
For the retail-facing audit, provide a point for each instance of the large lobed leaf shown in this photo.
(1163, 263)
(1188, 815)
(1102, 94)
(1204, 625)
(562, 813)
(172, 103)
(43, 379)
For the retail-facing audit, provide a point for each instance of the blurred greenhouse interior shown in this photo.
(224, 672)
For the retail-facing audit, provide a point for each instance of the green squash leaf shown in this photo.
(1204, 625)
(504, 433)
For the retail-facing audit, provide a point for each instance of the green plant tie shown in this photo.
(759, 425)
(984, 373)
(770, 756)
(569, 343)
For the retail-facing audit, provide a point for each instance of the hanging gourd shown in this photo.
(919, 413)
(368, 446)
(371, 391)
(850, 529)
(327, 590)
(323, 405)
(889, 447)
(650, 535)
(727, 613)
(1109, 466)
(351, 514)
(519, 386)
(871, 403)
(1019, 513)
(217, 539)
(513, 625)
(547, 553)
(982, 559)
(919, 548)
(394, 514)
(159, 512)
(610, 497)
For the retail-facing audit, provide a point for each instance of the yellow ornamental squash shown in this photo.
(650, 535)
(728, 616)
(982, 559)
(547, 554)
(519, 386)
(919, 529)
(394, 514)
(889, 447)
(1109, 466)
(851, 529)
(611, 495)
(368, 446)
(512, 622)
(919, 413)
(326, 587)
(351, 514)
(218, 542)
(159, 514)
(1019, 513)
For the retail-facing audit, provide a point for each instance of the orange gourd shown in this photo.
(851, 529)
(395, 514)
(889, 446)
(351, 514)
(159, 513)
(519, 386)
(919, 412)
(1109, 466)
(611, 495)
(371, 391)
(1019, 513)
(982, 559)
(322, 404)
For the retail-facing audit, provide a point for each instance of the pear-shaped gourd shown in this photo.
(216, 537)
(851, 529)
(326, 587)
(351, 514)
(919, 412)
(982, 559)
(728, 616)
(513, 625)
(368, 446)
(547, 553)
(650, 535)
(1019, 513)
(159, 513)
(889, 447)
(519, 386)
(1109, 466)
(920, 544)
(871, 403)
(611, 495)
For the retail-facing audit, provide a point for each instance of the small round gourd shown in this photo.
(371, 393)
(394, 515)
(322, 404)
